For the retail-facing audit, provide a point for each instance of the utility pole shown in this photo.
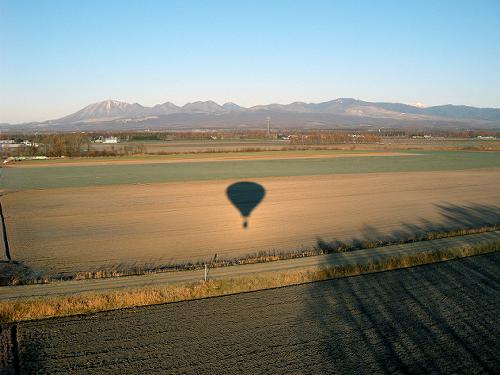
(268, 126)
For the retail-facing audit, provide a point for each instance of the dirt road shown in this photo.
(440, 318)
(84, 229)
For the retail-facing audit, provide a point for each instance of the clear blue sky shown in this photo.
(58, 56)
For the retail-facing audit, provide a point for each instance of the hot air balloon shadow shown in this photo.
(245, 196)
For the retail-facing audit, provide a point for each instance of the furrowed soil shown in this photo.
(96, 228)
(440, 318)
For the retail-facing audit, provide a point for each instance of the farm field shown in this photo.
(437, 318)
(44, 177)
(105, 227)
(388, 143)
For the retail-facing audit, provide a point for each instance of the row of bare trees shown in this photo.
(325, 137)
(68, 144)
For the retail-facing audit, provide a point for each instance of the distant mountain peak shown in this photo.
(231, 106)
(342, 109)
(166, 104)
(208, 106)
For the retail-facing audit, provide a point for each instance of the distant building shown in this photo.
(102, 139)
(29, 143)
(11, 143)
(110, 140)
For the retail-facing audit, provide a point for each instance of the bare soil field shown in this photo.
(94, 228)
(440, 318)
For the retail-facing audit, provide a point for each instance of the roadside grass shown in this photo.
(40, 308)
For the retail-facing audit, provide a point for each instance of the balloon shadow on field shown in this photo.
(245, 196)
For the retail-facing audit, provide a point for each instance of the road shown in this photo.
(440, 318)
(353, 257)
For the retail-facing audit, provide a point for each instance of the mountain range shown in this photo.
(338, 113)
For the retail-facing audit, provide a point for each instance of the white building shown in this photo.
(110, 140)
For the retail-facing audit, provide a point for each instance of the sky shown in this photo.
(59, 56)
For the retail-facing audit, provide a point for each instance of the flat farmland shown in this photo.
(44, 177)
(102, 227)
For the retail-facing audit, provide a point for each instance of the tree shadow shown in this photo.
(13, 272)
(431, 319)
(454, 218)
(439, 318)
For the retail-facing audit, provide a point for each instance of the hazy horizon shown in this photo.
(59, 57)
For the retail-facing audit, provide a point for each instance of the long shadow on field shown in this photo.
(453, 218)
(439, 318)
(431, 319)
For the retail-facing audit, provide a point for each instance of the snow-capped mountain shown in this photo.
(106, 110)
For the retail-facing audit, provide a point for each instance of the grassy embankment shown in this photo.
(29, 309)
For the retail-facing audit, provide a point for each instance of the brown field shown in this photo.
(82, 229)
